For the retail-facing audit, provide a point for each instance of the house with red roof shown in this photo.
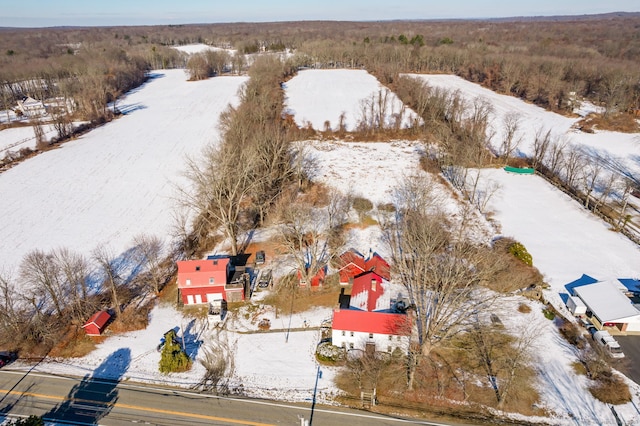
(96, 324)
(208, 280)
(374, 319)
(353, 263)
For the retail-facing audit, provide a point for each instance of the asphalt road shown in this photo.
(77, 401)
(630, 364)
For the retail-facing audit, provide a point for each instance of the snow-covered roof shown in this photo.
(607, 302)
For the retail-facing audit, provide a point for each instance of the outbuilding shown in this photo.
(96, 324)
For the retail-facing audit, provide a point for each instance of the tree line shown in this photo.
(53, 292)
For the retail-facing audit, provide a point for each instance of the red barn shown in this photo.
(353, 263)
(95, 325)
(203, 281)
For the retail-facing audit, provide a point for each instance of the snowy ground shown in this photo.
(199, 48)
(16, 138)
(115, 182)
(317, 96)
(621, 147)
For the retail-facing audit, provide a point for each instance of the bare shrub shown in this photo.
(572, 334)
(362, 205)
(611, 389)
(524, 308)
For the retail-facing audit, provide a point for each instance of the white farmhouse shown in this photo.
(31, 108)
(373, 321)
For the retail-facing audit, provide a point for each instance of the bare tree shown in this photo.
(510, 137)
(74, 271)
(222, 182)
(151, 253)
(554, 158)
(218, 362)
(590, 178)
(575, 161)
(11, 316)
(109, 269)
(441, 273)
(541, 144)
(502, 355)
(42, 274)
(304, 235)
(623, 217)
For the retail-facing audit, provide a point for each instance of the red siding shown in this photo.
(95, 324)
(194, 278)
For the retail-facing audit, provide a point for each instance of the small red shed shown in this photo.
(95, 325)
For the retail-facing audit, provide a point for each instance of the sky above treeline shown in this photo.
(46, 13)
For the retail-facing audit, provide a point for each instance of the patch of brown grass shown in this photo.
(317, 195)
(614, 122)
(611, 389)
(523, 308)
(288, 296)
(367, 221)
(429, 165)
(75, 343)
(169, 293)
(134, 317)
(579, 368)
(271, 249)
(572, 334)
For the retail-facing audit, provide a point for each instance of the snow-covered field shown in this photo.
(116, 182)
(317, 96)
(16, 138)
(199, 48)
(564, 239)
(623, 147)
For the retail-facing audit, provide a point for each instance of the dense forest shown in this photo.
(545, 61)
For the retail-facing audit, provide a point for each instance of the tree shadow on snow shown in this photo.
(192, 340)
(94, 397)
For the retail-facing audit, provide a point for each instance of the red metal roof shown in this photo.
(364, 294)
(99, 319)
(371, 322)
(379, 265)
(200, 272)
(353, 257)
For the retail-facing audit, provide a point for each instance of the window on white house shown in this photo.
(344, 333)
(370, 335)
(344, 345)
(351, 333)
(390, 337)
(350, 345)
(388, 348)
(398, 338)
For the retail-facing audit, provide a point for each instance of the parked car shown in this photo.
(7, 358)
(265, 279)
(610, 345)
(260, 257)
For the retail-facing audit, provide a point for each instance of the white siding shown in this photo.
(358, 340)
